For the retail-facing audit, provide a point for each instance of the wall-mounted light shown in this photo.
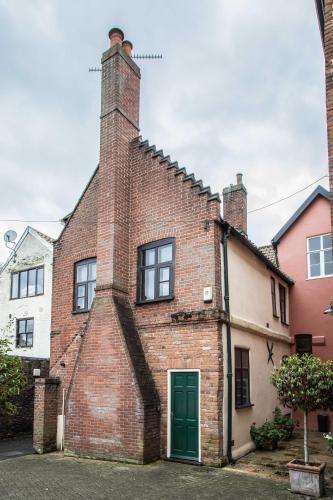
(329, 310)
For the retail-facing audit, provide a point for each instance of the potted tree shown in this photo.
(306, 383)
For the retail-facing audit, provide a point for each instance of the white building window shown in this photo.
(320, 256)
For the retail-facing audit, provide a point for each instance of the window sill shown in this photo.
(249, 405)
(276, 316)
(81, 311)
(284, 323)
(27, 297)
(309, 278)
(24, 346)
(144, 302)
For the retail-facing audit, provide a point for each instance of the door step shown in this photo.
(183, 461)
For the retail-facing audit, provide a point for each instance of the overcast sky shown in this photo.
(240, 88)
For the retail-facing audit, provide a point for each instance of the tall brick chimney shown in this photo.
(119, 126)
(112, 408)
(235, 205)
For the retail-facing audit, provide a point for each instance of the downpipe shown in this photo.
(226, 236)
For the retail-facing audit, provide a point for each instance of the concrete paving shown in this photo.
(52, 477)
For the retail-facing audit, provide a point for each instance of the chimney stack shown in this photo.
(119, 126)
(235, 205)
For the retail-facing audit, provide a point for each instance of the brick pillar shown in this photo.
(328, 44)
(235, 205)
(45, 415)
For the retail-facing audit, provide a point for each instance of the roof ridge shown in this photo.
(204, 190)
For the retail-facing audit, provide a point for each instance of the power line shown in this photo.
(249, 212)
(287, 197)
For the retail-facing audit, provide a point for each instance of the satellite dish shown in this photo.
(10, 236)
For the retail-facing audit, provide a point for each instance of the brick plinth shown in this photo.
(45, 415)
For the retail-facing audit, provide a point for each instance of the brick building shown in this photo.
(325, 19)
(155, 299)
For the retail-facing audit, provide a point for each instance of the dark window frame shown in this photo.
(19, 282)
(18, 334)
(156, 266)
(76, 310)
(273, 294)
(303, 336)
(283, 303)
(239, 404)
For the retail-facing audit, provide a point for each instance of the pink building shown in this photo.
(304, 250)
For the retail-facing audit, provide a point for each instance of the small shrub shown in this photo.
(329, 439)
(284, 424)
(266, 436)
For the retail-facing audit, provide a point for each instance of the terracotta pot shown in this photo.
(269, 445)
(307, 479)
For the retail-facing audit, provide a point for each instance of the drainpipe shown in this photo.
(229, 351)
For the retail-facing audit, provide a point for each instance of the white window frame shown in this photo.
(321, 253)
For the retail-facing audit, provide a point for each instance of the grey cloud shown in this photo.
(240, 88)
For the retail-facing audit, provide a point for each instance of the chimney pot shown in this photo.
(128, 47)
(239, 178)
(116, 36)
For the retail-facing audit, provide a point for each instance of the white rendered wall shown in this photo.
(252, 326)
(32, 252)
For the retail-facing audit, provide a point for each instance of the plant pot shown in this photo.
(307, 479)
(269, 445)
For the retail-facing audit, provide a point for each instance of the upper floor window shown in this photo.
(85, 284)
(242, 378)
(320, 256)
(27, 283)
(283, 304)
(303, 344)
(156, 263)
(24, 332)
(273, 293)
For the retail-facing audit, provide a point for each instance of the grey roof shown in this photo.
(319, 191)
(269, 252)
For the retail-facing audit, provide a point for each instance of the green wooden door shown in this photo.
(185, 415)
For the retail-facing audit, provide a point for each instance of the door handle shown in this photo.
(172, 415)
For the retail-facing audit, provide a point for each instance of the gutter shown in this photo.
(226, 235)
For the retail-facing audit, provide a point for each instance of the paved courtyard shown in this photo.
(54, 477)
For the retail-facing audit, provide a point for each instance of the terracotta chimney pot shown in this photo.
(116, 36)
(128, 47)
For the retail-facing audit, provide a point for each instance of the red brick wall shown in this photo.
(163, 205)
(113, 361)
(329, 88)
(45, 415)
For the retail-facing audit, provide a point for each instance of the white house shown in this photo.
(25, 295)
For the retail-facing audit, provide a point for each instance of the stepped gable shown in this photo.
(166, 162)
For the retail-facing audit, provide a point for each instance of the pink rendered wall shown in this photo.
(309, 297)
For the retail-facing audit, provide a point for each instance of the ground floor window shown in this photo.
(303, 344)
(24, 332)
(242, 378)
